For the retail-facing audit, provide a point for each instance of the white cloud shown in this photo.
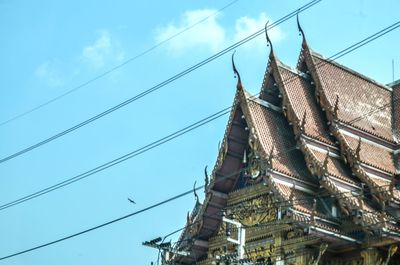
(246, 26)
(47, 73)
(210, 34)
(103, 51)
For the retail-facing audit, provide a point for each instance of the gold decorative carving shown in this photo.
(254, 211)
(371, 256)
(296, 233)
(222, 150)
(391, 251)
(322, 248)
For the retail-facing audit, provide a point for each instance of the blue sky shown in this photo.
(50, 47)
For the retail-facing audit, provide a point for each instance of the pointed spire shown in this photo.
(237, 75)
(326, 160)
(360, 197)
(206, 180)
(301, 32)
(392, 185)
(313, 212)
(336, 107)
(195, 193)
(269, 43)
(292, 191)
(188, 219)
(271, 156)
(303, 121)
(358, 149)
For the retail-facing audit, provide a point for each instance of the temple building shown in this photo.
(307, 172)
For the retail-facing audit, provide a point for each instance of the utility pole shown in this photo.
(166, 250)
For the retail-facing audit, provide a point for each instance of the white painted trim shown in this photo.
(342, 130)
(335, 234)
(290, 185)
(316, 217)
(376, 176)
(377, 170)
(321, 150)
(308, 138)
(262, 102)
(279, 174)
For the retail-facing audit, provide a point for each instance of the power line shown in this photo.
(186, 130)
(120, 159)
(160, 85)
(130, 215)
(114, 220)
(125, 217)
(275, 203)
(117, 66)
(118, 219)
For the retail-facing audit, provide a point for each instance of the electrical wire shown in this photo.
(117, 66)
(118, 160)
(158, 86)
(188, 129)
(115, 220)
(121, 218)
(279, 203)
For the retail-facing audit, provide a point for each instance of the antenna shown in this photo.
(392, 70)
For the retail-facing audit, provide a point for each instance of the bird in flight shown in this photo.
(131, 201)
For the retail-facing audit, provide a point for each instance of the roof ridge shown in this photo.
(293, 70)
(261, 102)
(351, 71)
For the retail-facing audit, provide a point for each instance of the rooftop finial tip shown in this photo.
(266, 35)
(239, 83)
(301, 32)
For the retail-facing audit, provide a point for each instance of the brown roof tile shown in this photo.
(301, 98)
(358, 97)
(336, 167)
(373, 155)
(274, 131)
(302, 201)
(385, 184)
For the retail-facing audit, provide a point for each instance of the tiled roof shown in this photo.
(373, 155)
(385, 184)
(301, 98)
(274, 132)
(358, 97)
(336, 167)
(301, 202)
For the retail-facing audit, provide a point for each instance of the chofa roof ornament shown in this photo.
(269, 42)
(237, 75)
(301, 32)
